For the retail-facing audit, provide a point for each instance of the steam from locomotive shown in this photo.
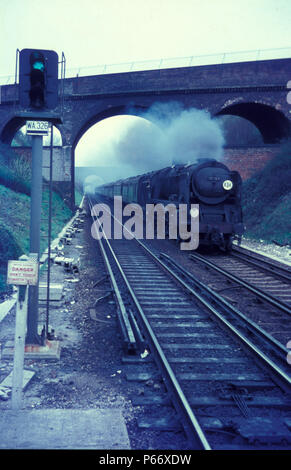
(170, 135)
(154, 139)
(90, 183)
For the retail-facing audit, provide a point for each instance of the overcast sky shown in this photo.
(96, 32)
(92, 32)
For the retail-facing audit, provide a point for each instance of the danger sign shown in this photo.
(22, 272)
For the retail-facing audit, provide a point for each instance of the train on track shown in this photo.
(208, 183)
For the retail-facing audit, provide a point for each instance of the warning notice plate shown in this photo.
(22, 272)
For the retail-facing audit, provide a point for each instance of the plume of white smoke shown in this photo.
(170, 135)
(91, 182)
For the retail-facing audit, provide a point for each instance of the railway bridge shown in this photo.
(255, 90)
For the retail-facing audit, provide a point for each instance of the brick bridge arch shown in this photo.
(134, 110)
(256, 91)
(272, 123)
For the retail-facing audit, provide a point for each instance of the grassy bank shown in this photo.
(267, 200)
(15, 226)
(15, 177)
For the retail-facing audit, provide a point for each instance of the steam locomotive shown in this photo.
(208, 183)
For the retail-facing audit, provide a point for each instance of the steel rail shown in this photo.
(246, 322)
(190, 422)
(281, 377)
(263, 264)
(268, 298)
(124, 321)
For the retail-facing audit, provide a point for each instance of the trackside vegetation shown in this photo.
(15, 213)
(267, 200)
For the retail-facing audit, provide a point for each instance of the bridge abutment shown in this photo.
(249, 160)
(62, 169)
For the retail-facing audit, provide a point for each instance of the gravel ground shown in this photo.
(276, 252)
(90, 372)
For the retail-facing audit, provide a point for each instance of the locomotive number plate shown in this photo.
(227, 184)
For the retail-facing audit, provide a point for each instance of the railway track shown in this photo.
(273, 267)
(257, 273)
(227, 380)
(268, 283)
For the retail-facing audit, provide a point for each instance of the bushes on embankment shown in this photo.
(267, 200)
(15, 212)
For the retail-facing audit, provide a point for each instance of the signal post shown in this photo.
(32, 336)
(38, 98)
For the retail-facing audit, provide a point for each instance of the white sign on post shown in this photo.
(37, 127)
(22, 272)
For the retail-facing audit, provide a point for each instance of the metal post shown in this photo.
(32, 336)
(49, 231)
(15, 79)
